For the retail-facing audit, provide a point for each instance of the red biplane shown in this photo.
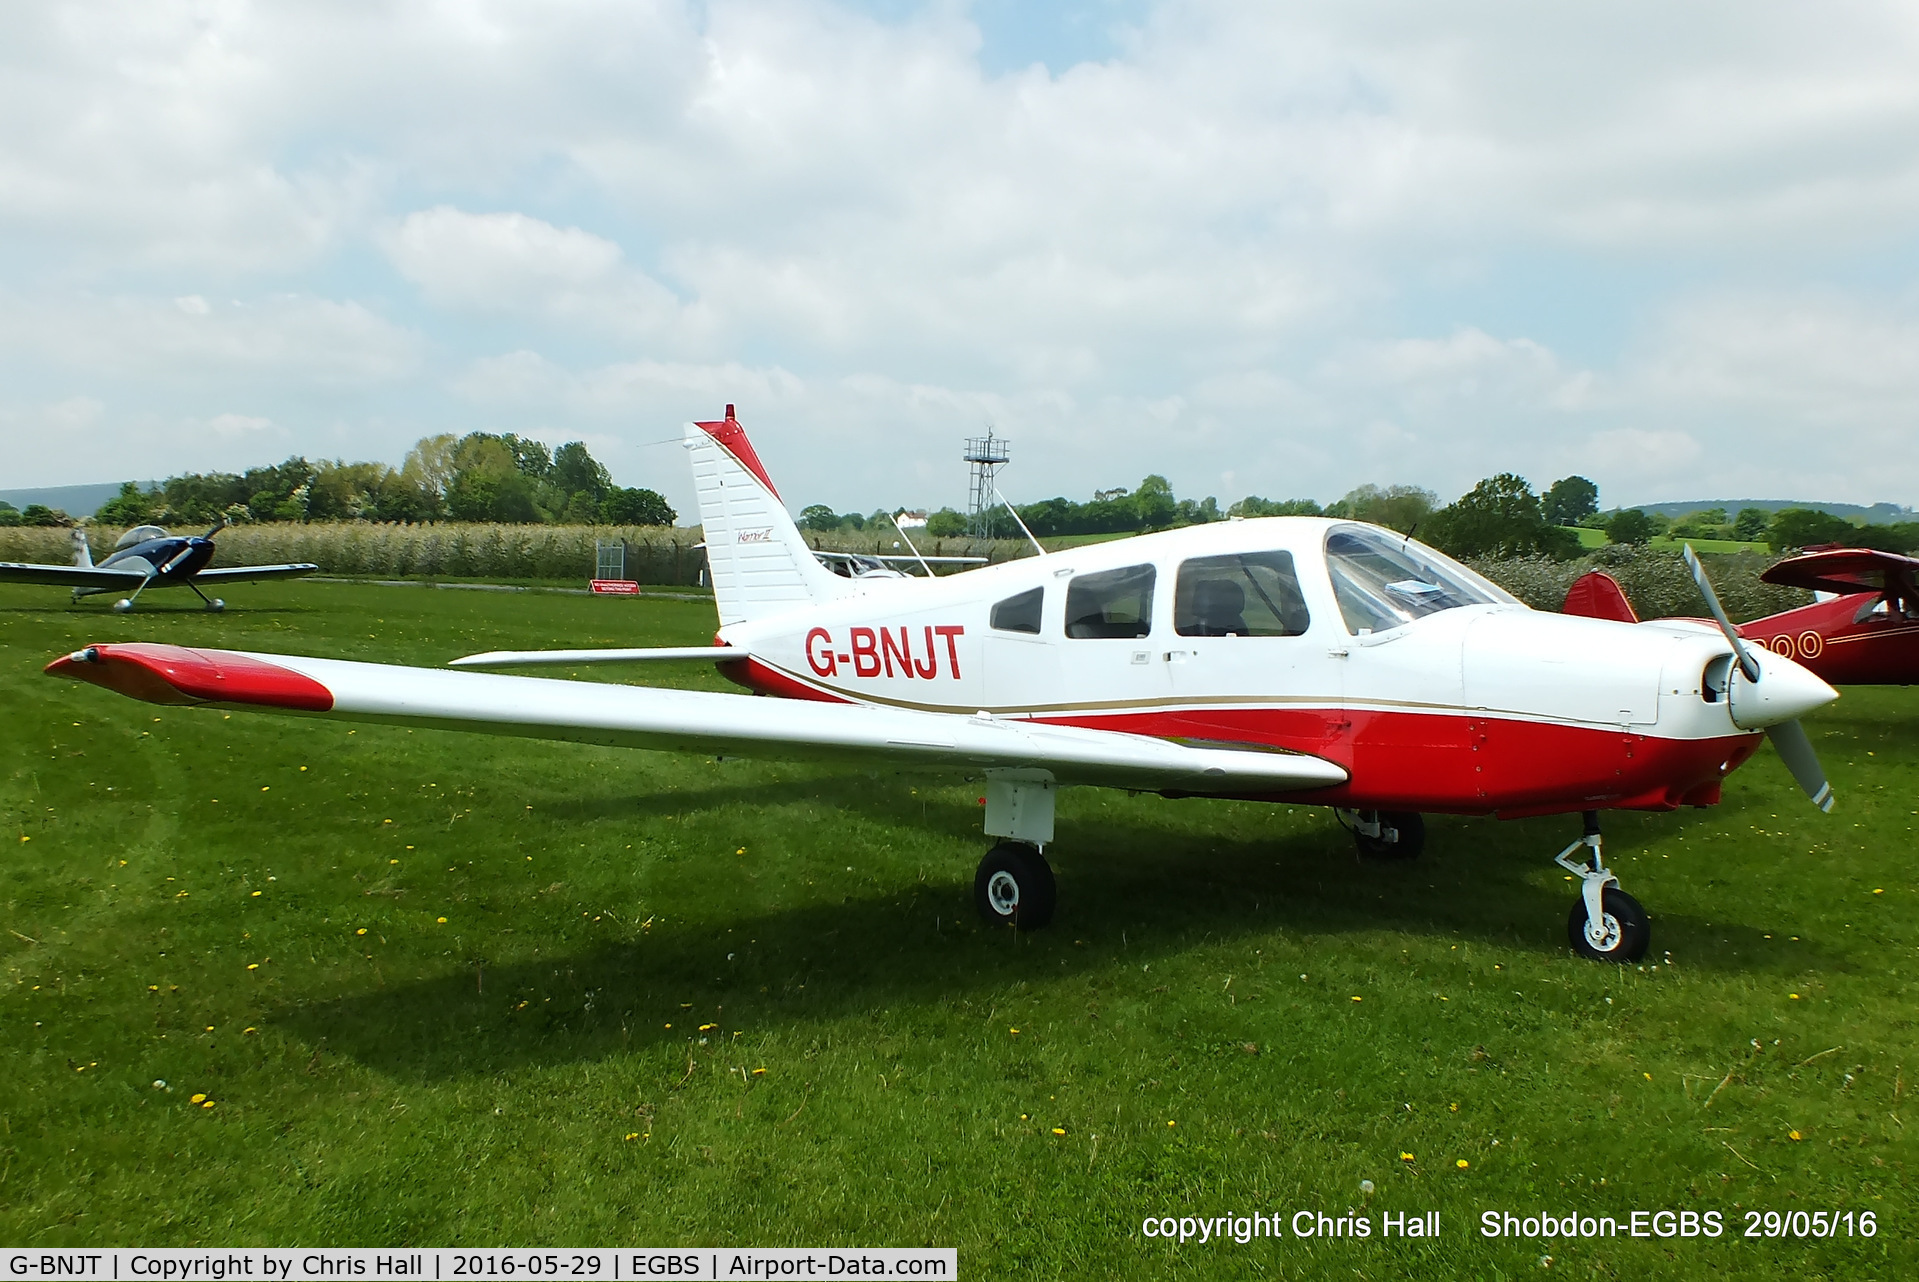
(1863, 631)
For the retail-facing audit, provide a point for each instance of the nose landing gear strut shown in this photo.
(1607, 924)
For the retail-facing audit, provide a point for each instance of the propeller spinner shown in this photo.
(1769, 692)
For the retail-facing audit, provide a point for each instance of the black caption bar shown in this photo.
(518, 1264)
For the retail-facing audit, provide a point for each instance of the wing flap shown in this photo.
(686, 720)
(77, 576)
(507, 658)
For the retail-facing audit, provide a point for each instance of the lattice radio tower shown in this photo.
(987, 454)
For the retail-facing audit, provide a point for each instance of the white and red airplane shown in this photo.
(1285, 659)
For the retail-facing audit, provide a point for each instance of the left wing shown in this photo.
(76, 576)
(246, 573)
(686, 720)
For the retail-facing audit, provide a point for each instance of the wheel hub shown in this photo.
(1002, 891)
(1604, 933)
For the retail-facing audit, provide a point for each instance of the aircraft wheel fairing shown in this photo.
(1401, 835)
(1014, 886)
(1622, 936)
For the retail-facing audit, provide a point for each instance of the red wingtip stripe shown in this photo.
(732, 437)
(172, 674)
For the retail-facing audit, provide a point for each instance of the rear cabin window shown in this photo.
(1112, 603)
(1249, 594)
(1019, 613)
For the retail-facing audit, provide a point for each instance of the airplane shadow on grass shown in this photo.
(1131, 892)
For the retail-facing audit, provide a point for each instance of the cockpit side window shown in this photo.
(1019, 613)
(1384, 580)
(1246, 594)
(1111, 603)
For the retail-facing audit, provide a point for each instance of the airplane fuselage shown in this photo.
(1848, 640)
(1482, 708)
(173, 560)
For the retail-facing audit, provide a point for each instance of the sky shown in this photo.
(1281, 249)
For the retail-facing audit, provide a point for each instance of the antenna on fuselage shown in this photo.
(1016, 521)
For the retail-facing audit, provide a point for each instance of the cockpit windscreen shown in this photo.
(1383, 580)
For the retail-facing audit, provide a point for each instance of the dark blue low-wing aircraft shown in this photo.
(146, 556)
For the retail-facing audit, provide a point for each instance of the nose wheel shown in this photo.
(1607, 924)
(1014, 886)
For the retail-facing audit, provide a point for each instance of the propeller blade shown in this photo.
(216, 529)
(1747, 664)
(1795, 749)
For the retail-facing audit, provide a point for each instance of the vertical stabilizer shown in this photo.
(761, 564)
(82, 554)
(1597, 595)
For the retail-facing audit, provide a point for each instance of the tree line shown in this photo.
(482, 476)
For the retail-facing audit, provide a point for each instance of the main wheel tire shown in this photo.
(1408, 839)
(1014, 887)
(1628, 931)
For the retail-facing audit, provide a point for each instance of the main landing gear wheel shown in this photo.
(1387, 834)
(216, 605)
(1014, 886)
(1607, 924)
(1621, 934)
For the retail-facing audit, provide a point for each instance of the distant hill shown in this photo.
(74, 500)
(1877, 514)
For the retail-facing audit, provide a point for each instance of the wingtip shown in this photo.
(175, 675)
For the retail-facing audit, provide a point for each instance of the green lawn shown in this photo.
(1590, 539)
(1230, 1015)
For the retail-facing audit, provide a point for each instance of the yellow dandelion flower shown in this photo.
(256, 894)
(393, 861)
(759, 1072)
(201, 1096)
(303, 769)
(1461, 1163)
(153, 988)
(1013, 1031)
(207, 1104)
(632, 1135)
(253, 965)
(1792, 1135)
(209, 1028)
(248, 1032)
(1794, 996)
(1059, 1130)
(1647, 1076)
(523, 1003)
(267, 788)
(1405, 1157)
(360, 931)
(1455, 1108)
(708, 1027)
(443, 921)
(740, 851)
(1358, 999)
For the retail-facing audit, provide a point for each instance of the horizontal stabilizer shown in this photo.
(506, 658)
(683, 720)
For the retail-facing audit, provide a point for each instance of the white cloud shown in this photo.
(511, 263)
(1309, 245)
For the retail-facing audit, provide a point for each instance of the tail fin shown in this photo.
(1597, 595)
(82, 554)
(761, 564)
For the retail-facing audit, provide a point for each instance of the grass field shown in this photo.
(451, 990)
